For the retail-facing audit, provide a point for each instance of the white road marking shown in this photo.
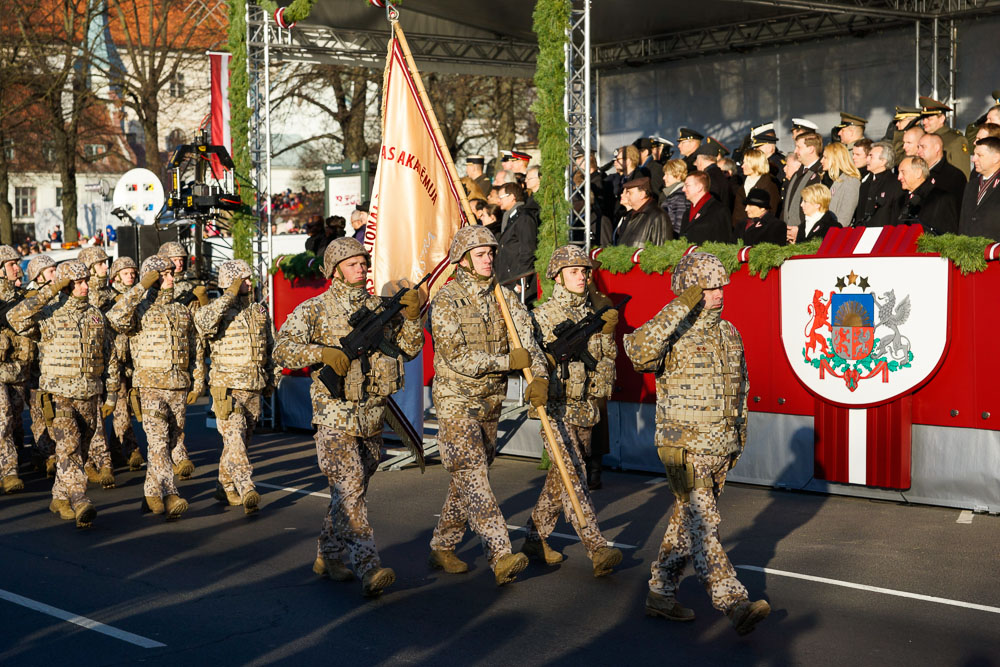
(656, 480)
(290, 489)
(567, 536)
(82, 621)
(873, 589)
(965, 516)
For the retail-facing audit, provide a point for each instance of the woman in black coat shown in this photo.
(816, 207)
(760, 225)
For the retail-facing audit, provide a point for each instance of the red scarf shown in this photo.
(697, 207)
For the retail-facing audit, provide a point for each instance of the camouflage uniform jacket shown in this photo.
(121, 340)
(472, 347)
(75, 348)
(16, 351)
(320, 322)
(701, 379)
(573, 390)
(100, 295)
(162, 340)
(239, 337)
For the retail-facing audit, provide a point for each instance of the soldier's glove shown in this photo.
(610, 318)
(411, 304)
(192, 397)
(234, 288)
(519, 358)
(109, 405)
(149, 279)
(691, 296)
(201, 294)
(335, 358)
(537, 392)
(600, 300)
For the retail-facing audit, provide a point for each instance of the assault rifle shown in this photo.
(571, 339)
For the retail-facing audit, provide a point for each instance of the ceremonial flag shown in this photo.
(220, 107)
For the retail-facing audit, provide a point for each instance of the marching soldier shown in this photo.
(168, 373)
(100, 295)
(472, 357)
(75, 348)
(701, 411)
(574, 393)
(185, 291)
(41, 271)
(123, 276)
(16, 353)
(239, 337)
(349, 420)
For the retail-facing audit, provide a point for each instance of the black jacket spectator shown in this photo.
(516, 254)
(721, 188)
(648, 225)
(981, 216)
(819, 230)
(879, 204)
(931, 207)
(950, 178)
(765, 182)
(711, 222)
(766, 229)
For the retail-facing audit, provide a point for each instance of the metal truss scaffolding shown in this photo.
(577, 110)
(936, 49)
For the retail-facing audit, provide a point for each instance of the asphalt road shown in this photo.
(221, 588)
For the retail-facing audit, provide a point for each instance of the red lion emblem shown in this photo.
(820, 311)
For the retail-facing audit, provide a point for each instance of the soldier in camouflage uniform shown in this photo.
(41, 271)
(472, 357)
(701, 413)
(239, 338)
(574, 392)
(16, 353)
(75, 349)
(348, 423)
(167, 371)
(123, 276)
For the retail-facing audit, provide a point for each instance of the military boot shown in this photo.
(135, 460)
(508, 567)
(61, 507)
(377, 580)
(660, 605)
(12, 484)
(540, 550)
(153, 504)
(85, 514)
(93, 476)
(175, 506)
(605, 559)
(445, 559)
(746, 615)
(107, 477)
(184, 469)
(332, 568)
(251, 501)
(224, 495)
(50, 467)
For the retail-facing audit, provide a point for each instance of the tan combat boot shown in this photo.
(660, 605)
(332, 568)
(107, 477)
(746, 615)
(508, 567)
(12, 484)
(251, 501)
(175, 506)
(93, 476)
(153, 504)
(377, 580)
(443, 559)
(50, 467)
(605, 559)
(184, 469)
(61, 507)
(225, 496)
(135, 460)
(540, 550)
(85, 514)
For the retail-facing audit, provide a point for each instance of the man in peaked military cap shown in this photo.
(474, 165)
(852, 130)
(934, 120)
(701, 421)
(349, 421)
(764, 139)
(472, 357)
(688, 142)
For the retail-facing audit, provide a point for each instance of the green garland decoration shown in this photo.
(550, 20)
(766, 256)
(965, 252)
(303, 266)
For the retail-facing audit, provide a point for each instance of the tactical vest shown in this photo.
(483, 333)
(161, 344)
(243, 342)
(73, 345)
(701, 381)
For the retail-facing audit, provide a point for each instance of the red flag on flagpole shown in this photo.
(220, 107)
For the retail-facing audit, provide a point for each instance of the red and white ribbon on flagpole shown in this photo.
(220, 107)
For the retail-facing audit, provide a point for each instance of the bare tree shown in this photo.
(13, 122)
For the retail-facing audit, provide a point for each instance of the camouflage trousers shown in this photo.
(574, 446)
(74, 431)
(11, 407)
(39, 431)
(348, 463)
(236, 431)
(121, 424)
(693, 535)
(467, 448)
(163, 413)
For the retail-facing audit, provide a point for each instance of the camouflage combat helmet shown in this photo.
(467, 238)
(119, 264)
(72, 269)
(38, 264)
(341, 249)
(8, 254)
(699, 268)
(91, 256)
(233, 270)
(157, 263)
(172, 249)
(566, 256)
